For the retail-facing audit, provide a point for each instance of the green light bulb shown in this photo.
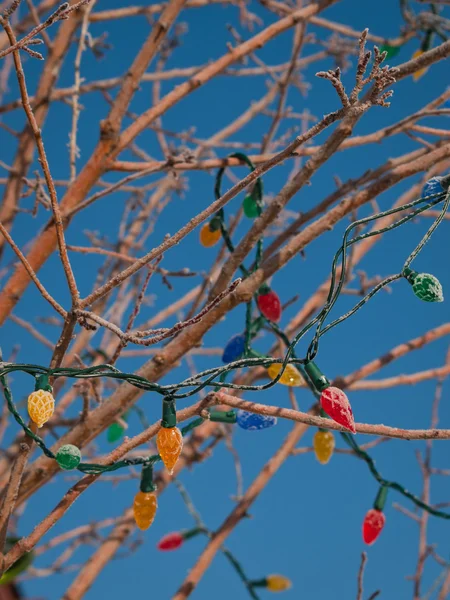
(68, 457)
(19, 566)
(391, 51)
(115, 432)
(425, 286)
(250, 207)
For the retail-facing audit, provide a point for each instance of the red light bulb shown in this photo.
(373, 524)
(171, 541)
(270, 305)
(335, 403)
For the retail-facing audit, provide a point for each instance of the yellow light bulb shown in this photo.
(418, 74)
(290, 377)
(144, 509)
(278, 583)
(208, 237)
(41, 405)
(324, 446)
(170, 443)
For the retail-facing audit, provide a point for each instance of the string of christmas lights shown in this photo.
(238, 353)
(175, 540)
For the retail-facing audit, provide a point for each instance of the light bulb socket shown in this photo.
(409, 275)
(169, 413)
(259, 583)
(427, 41)
(147, 484)
(190, 533)
(316, 376)
(220, 416)
(215, 223)
(380, 500)
(42, 383)
(263, 290)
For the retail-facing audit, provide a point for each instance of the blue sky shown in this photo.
(307, 523)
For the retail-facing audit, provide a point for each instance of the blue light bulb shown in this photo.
(432, 186)
(252, 421)
(234, 348)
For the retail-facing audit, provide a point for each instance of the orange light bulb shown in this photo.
(418, 74)
(278, 583)
(209, 238)
(169, 442)
(144, 509)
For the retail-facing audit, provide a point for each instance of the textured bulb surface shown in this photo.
(68, 457)
(373, 524)
(170, 443)
(171, 541)
(253, 422)
(144, 509)
(428, 288)
(234, 348)
(290, 377)
(323, 446)
(432, 186)
(335, 403)
(278, 583)
(41, 405)
(250, 207)
(418, 74)
(270, 306)
(209, 238)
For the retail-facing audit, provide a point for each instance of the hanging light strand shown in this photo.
(212, 377)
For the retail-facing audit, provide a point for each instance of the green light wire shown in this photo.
(13, 410)
(200, 525)
(209, 377)
(198, 382)
(87, 468)
(257, 193)
(335, 290)
(350, 441)
(96, 469)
